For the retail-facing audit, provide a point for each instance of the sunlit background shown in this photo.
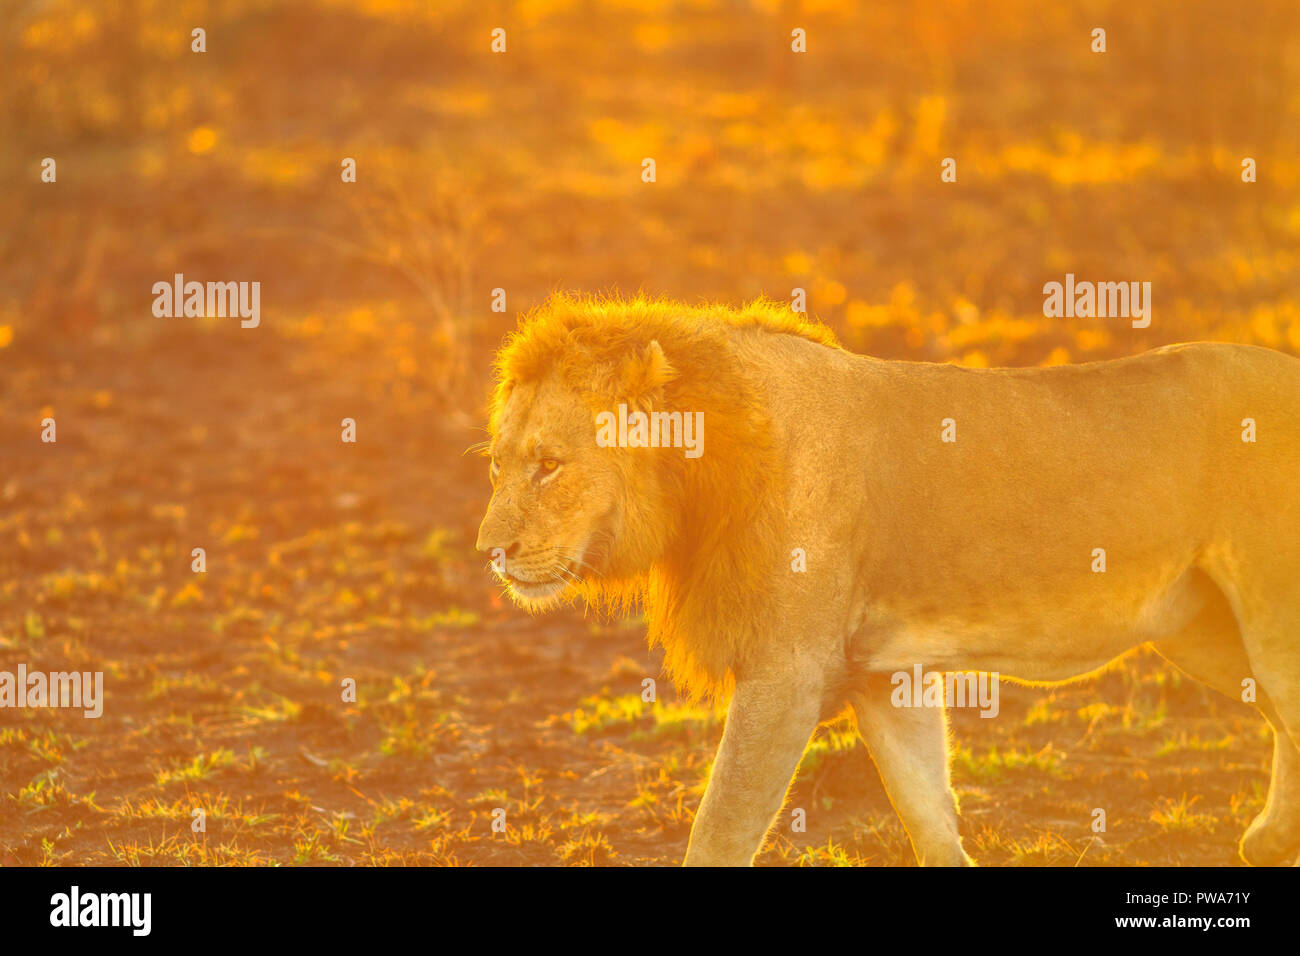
(521, 171)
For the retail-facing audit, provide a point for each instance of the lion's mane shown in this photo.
(714, 532)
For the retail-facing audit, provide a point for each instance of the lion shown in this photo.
(940, 516)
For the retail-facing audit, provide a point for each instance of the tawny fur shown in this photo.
(976, 554)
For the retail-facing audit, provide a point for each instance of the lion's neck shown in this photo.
(728, 520)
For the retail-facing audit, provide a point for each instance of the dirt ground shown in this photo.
(328, 561)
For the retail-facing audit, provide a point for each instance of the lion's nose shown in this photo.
(487, 547)
(493, 534)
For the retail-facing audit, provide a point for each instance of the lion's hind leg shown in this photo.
(1271, 636)
(1213, 649)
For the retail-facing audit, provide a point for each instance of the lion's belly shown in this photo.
(1054, 644)
(1038, 655)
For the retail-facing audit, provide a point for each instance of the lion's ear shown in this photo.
(643, 376)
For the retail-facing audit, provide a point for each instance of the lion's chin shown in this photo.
(535, 596)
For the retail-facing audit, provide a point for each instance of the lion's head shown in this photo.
(566, 512)
(570, 516)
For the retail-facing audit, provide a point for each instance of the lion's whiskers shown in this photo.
(571, 576)
(574, 557)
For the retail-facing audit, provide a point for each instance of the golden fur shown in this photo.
(703, 565)
(975, 554)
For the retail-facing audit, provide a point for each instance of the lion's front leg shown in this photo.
(910, 748)
(767, 729)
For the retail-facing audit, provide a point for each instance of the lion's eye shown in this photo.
(546, 468)
(549, 464)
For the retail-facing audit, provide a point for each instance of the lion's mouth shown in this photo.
(533, 590)
(545, 583)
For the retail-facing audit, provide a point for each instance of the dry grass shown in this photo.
(329, 561)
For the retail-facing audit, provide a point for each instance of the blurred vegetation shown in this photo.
(522, 171)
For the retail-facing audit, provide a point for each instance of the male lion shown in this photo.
(968, 554)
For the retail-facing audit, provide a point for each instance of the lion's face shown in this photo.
(554, 514)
